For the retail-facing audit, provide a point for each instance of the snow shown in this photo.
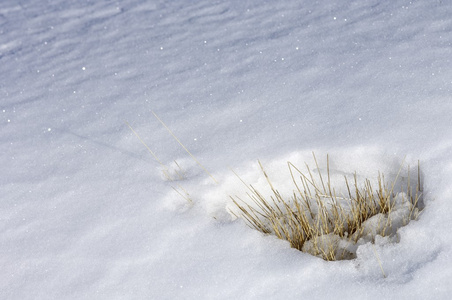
(85, 212)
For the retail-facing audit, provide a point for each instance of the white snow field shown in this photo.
(85, 212)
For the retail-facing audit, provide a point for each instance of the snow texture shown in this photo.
(85, 212)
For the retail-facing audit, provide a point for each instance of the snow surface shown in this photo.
(85, 212)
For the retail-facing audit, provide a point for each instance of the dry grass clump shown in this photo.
(325, 223)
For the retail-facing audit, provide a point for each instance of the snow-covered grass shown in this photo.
(85, 212)
(329, 220)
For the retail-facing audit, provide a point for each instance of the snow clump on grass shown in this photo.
(331, 221)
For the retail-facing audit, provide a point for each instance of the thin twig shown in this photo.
(166, 172)
(185, 148)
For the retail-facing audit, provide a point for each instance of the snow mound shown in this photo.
(332, 217)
